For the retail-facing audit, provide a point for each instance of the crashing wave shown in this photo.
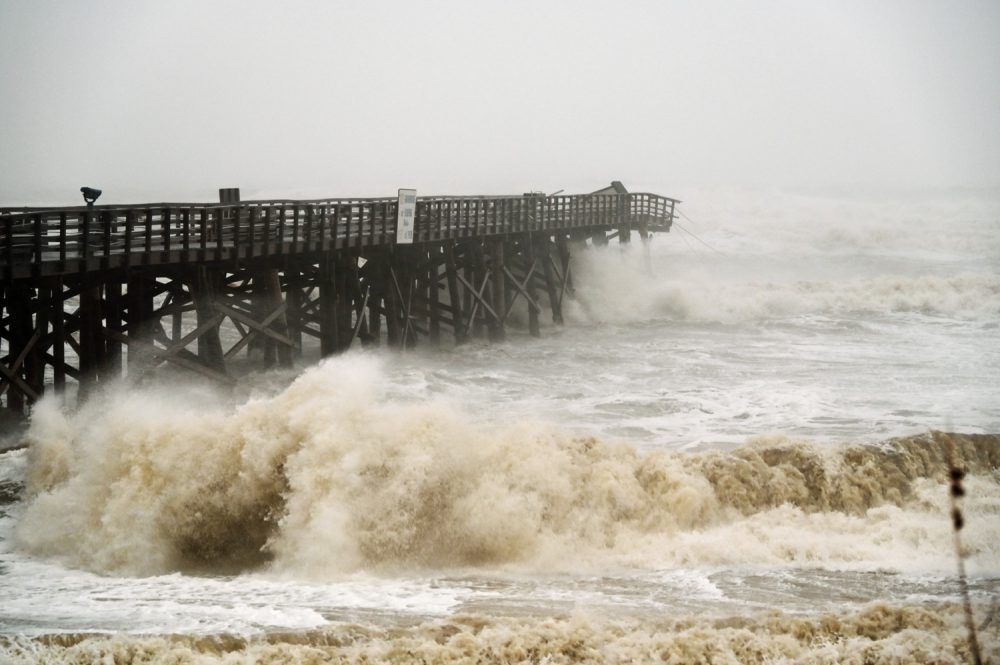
(329, 476)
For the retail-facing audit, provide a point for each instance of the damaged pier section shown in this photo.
(92, 294)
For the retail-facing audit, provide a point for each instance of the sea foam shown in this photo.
(331, 476)
(878, 633)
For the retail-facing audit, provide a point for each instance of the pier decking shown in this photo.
(125, 289)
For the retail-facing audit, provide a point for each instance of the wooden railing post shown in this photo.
(8, 246)
(85, 238)
(106, 217)
(36, 223)
(499, 283)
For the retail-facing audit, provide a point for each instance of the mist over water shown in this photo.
(732, 423)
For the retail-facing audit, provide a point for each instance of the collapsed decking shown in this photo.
(108, 279)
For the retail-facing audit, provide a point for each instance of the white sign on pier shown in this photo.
(407, 212)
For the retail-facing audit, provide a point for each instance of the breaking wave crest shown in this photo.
(331, 475)
(612, 289)
(879, 633)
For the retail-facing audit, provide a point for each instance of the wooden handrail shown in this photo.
(80, 239)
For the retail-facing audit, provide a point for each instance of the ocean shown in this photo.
(733, 451)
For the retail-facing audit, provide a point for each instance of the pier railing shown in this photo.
(35, 242)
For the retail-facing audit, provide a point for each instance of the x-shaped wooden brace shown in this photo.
(479, 300)
(407, 303)
(173, 353)
(254, 327)
(521, 288)
(564, 280)
(10, 373)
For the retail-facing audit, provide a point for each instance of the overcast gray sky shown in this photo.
(173, 99)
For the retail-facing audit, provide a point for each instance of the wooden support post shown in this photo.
(345, 310)
(373, 278)
(624, 233)
(91, 340)
(113, 316)
(531, 260)
(328, 334)
(359, 303)
(177, 324)
(19, 330)
(280, 323)
(392, 303)
(433, 295)
(293, 311)
(555, 300)
(176, 319)
(497, 332)
(469, 271)
(136, 297)
(261, 348)
(476, 274)
(404, 284)
(564, 255)
(205, 292)
(34, 364)
(647, 258)
(623, 213)
(58, 319)
(415, 291)
(3, 368)
(3, 308)
(454, 297)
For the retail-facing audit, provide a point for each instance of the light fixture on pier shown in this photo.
(90, 195)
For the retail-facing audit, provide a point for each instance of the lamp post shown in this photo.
(90, 195)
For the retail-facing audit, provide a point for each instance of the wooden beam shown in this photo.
(393, 304)
(345, 309)
(433, 295)
(177, 359)
(12, 373)
(205, 292)
(520, 288)
(18, 383)
(293, 310)
(329, 342)
(555, 303)
(58, 337)
(179, 344)
(113, 314)
(529, 285)
(406, 304)
(278, 323)
(136, 317)
(261, 327)
(91, 342)
(478, 300)
(454, 297)
(497, 276)
(373, 277)
(362, 315)
(60, 365)
(34, 362)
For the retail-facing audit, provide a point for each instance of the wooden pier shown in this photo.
(92, 294)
